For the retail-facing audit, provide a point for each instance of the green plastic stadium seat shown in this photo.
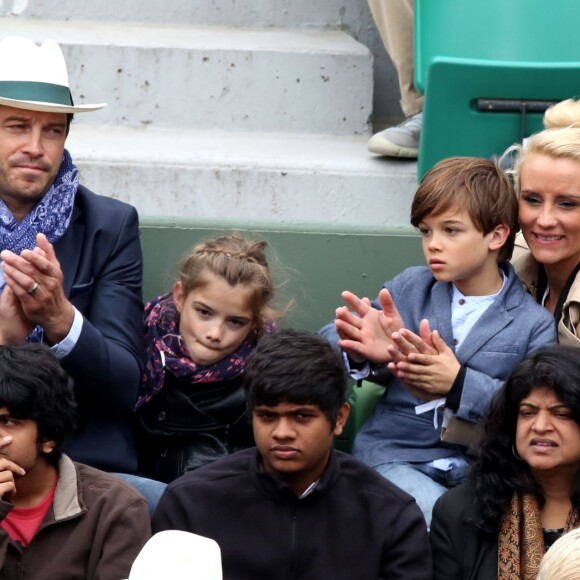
(521, 50)
(362, 400)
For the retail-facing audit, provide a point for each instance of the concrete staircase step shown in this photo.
(257, 13)
(284, 178)
(214, 77)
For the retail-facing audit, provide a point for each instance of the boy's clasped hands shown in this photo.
(425, 363)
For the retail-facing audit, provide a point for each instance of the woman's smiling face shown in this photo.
(549, 211)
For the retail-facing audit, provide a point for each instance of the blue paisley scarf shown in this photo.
(166, 350)
(51, 216)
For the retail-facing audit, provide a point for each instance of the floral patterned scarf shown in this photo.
(521, 539)
(166, 350)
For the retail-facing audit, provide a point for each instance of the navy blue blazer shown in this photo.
(100, 256)
(460, 550)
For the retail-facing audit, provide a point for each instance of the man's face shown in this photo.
(24, 449)
(31, 150)
(295, 441)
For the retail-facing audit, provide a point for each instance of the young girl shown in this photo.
(192, 408)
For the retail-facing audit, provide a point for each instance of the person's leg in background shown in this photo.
(151, 489)
(394, 20)
(415, 482)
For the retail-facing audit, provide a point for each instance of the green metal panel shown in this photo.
(316, 261)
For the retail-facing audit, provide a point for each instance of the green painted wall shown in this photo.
(316, 261)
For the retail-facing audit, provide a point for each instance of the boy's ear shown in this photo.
(48, 446)
(499, 236)
(178, 296)
(341, 419)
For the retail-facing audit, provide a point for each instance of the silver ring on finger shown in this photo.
(33, 288)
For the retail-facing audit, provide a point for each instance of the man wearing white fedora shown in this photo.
(71, 270)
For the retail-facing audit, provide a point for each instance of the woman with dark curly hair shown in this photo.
(524, 490)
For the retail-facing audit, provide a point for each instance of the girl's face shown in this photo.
(215, 319)
(550, 211)
(547, 435)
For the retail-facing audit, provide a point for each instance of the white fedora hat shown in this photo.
(35, 78)
(178, 555)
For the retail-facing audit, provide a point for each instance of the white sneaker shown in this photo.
(399, 141)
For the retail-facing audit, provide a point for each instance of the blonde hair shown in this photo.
(238, 261)
(562, 560)
(563, 114)
(561, 143)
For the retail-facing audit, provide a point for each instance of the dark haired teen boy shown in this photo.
(58, 519)
(293, 507)
(458, 329)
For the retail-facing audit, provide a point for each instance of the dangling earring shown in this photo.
(515, 452)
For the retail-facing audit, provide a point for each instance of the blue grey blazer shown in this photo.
(511, 327)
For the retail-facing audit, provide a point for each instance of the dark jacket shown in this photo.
(188, 425)
(95, 528)
(460, 550)
(354, 525)
(100, 257)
